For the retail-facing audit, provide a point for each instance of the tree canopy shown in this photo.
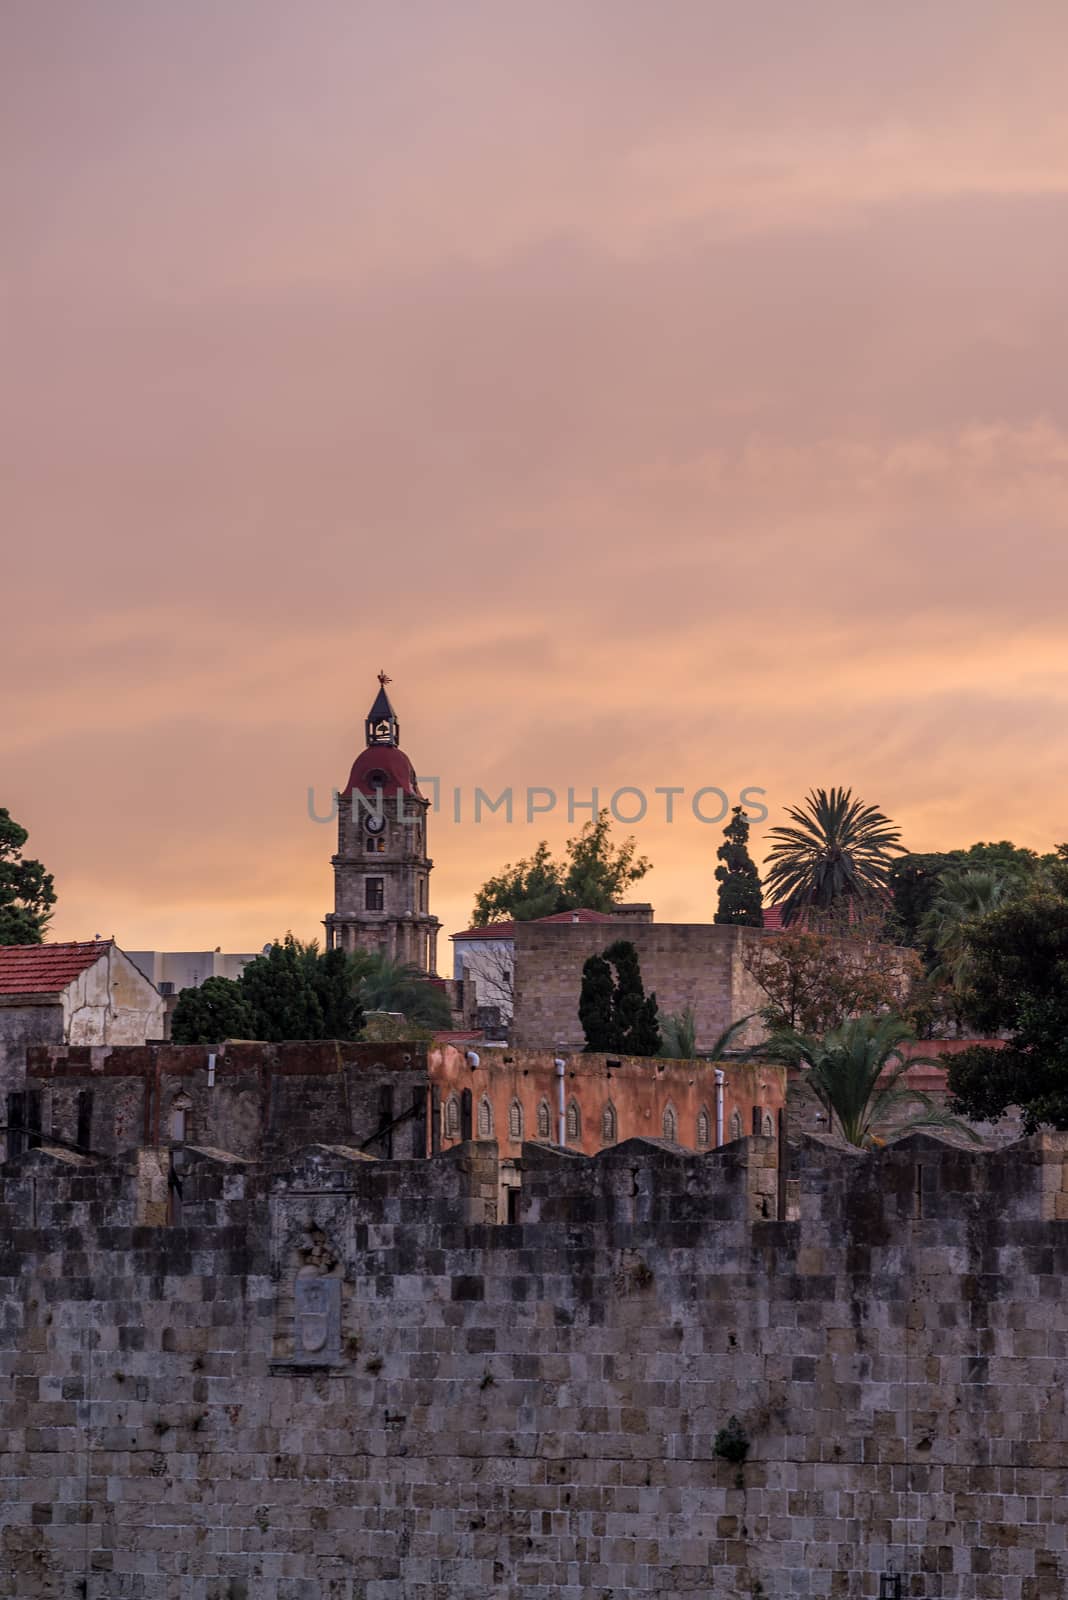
(856, 1072)
(915, 882)
(740, 900)
(215, 1011)
(27, 894)
(386, 985)
(1018, 985)
(833, 860)
(292, 991)
(814, 981)
(616, 1014)
(593, 874)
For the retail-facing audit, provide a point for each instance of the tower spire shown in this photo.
(382, 726)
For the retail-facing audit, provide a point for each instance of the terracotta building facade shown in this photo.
(590, 1102)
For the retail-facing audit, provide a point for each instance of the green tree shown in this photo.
(387, 985)
(679, 1031)
(616, 1013)
(856, 1074)
(27, 894)
(815, 981)
(596, 1009)
(215, 1011)
(915, 882)
(334, 980)
(1018, 985)
(965, 895)
(593, 875)
(597, 872)
(281, 997)
(521, 893)
(740, 900)
(834, 861)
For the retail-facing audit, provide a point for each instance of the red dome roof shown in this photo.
(381, 767)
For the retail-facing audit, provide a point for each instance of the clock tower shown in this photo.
(382, 869)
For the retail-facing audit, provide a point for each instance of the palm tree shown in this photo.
(964, 897)
(837, 856)
(678, 1031)
(855, 1072)
(387, 985)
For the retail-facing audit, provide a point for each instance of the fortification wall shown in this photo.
(343, 1378)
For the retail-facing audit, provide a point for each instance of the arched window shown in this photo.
(769, 1126)
(573, 1122)
(485, 1119)
(515, 1120)
(608, 1124)
(736, 1124)
(671, 1125)
(545, 1120)
(704, 1129)
(452, 1117)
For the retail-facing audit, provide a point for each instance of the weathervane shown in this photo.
(383, 680)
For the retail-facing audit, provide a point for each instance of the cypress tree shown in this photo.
(595, 1005)
(615, 1012)
(740, 899)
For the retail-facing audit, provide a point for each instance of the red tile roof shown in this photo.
(46, 968)
(492, 930)
(506, 930)
(581, 915)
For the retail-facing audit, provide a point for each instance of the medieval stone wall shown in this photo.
(339, 1377)
(246, 1097)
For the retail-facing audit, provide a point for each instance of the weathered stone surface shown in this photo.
(532, 1409)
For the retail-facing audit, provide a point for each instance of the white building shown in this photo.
(88, 993)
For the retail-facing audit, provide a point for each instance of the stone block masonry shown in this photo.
(334, 1378)
(697, 964)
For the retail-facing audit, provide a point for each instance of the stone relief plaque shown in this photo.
(316, 1319)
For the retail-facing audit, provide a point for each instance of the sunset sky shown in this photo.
(662, 394)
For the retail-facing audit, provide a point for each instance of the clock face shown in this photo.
(375, 824)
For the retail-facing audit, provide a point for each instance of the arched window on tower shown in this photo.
(515, 1121)
(608, 1124)
(736, 1125)
(573, 1122)
(704, 1128)
(769, 1126)
(485, 1119)
(452, 1117)
(671, 1125)
(545, 1120)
